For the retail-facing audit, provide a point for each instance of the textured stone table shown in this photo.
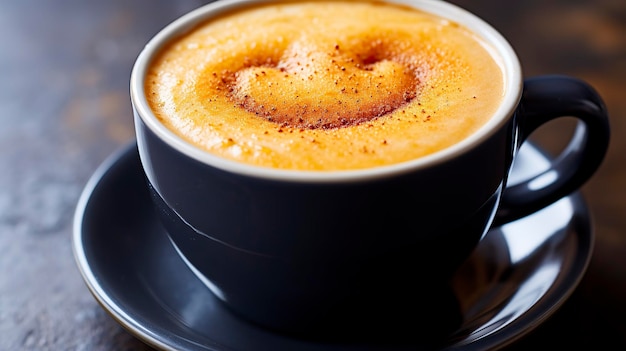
(64, 107)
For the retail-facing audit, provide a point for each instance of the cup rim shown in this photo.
(498, 46)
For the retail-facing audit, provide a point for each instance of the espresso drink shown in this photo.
(325, 85)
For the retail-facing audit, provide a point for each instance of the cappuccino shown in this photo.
(325, 85)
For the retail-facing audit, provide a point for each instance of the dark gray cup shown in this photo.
(302, 251)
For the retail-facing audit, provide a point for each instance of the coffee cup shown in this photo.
(295, 248)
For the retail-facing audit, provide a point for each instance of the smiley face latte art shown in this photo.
(325, 85)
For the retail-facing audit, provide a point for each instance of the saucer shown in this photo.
(518, 276)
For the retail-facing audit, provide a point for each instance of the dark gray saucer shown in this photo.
(520, 274)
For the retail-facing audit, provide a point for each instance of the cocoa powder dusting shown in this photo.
(372, 91)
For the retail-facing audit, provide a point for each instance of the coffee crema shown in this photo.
(325, 85)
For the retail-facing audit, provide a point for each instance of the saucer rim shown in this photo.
(97, 291)
(505, 336)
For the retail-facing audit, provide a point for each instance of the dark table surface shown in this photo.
(64, 107)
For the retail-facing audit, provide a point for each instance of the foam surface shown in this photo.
(325, 85)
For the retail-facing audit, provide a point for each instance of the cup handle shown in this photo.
(543, 99)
